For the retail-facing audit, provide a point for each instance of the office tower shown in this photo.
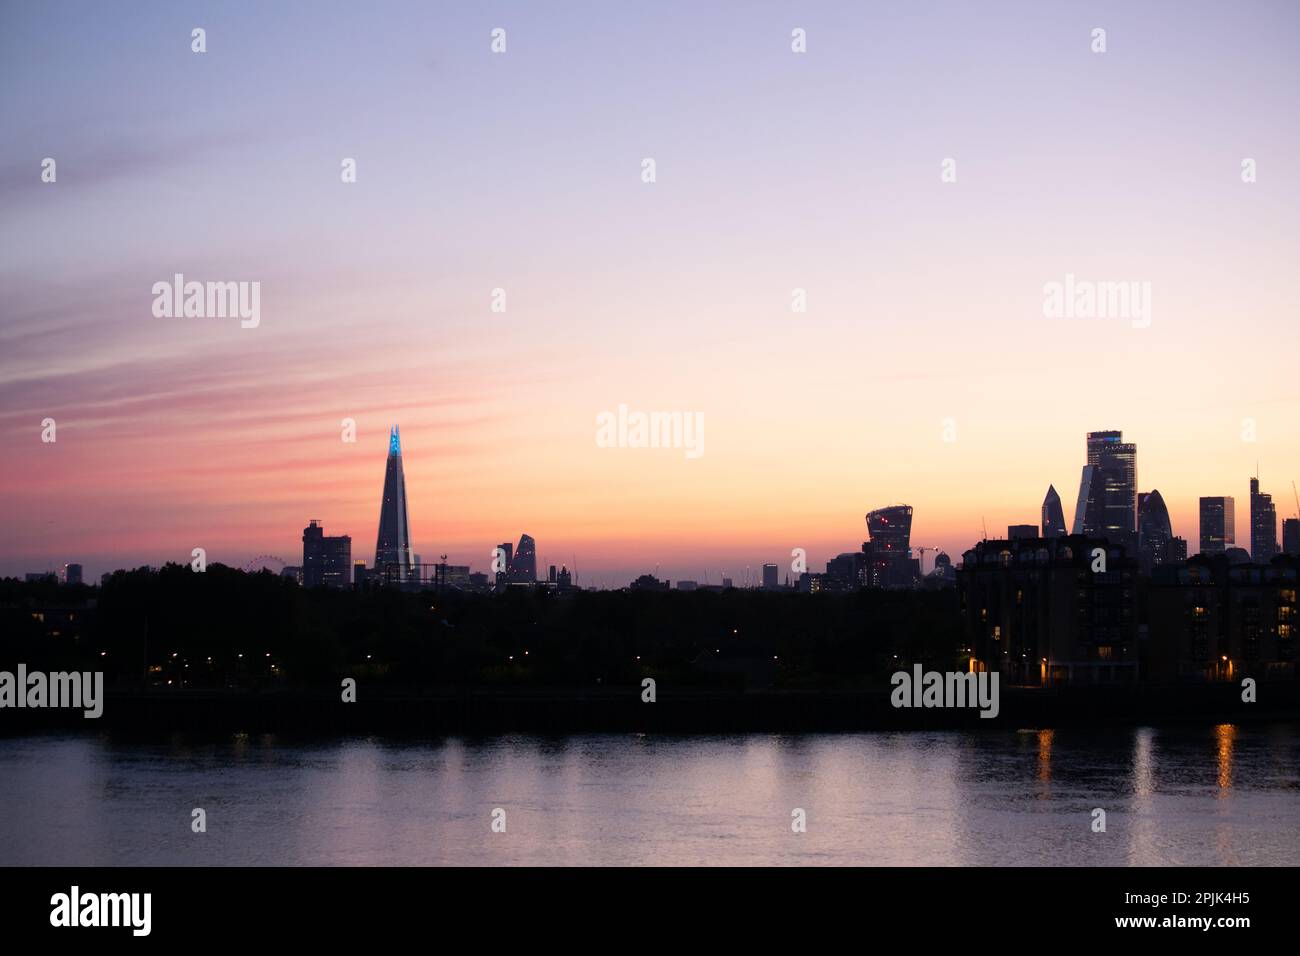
(393, 546)
(1110, 505)
(72, 574)
(1015, 531)
(1155, 533)
(1177, 551)
(1087, 508)
(1263, 525)
(326, 559)
(889, 561)
(505, 553)
(336, 564)
(312, 536)
(770, 580)
(417, 568)
(1218, 519)
(523, 566)
(848, 571)
(358, 573)
(1053, 516)
(890, 529)
(1291, 535)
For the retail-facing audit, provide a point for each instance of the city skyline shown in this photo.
(1149, 538)
(957, 396)
(775, 435)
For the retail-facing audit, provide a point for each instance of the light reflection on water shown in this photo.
(1221, 795)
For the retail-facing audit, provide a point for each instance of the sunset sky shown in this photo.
(522, 171)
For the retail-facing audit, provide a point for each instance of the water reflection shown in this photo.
(944, 798)
(1144, 765)
(1226, 735)
(1045, 755)
(1144, 843)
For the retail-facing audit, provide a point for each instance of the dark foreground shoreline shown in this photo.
(620, 710)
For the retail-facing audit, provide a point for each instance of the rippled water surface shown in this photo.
(1216, 795)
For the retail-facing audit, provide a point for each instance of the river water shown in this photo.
(1215, 795)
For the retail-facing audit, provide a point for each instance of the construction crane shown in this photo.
(922, 551)
(1297, 500)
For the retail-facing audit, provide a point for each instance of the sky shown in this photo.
(923, 371)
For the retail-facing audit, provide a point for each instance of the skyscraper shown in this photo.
(326, 559)
(393, 546)
(1088, 507)
(889, 553)
(1291, 535)
(1218, 521)
(1263, 525)
(770, 577)
(890, 529)
(501, 559)
(523, 566)
(1114, 491)
(1053, 522)
(1155, 533)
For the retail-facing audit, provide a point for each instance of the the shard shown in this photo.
(393, 547)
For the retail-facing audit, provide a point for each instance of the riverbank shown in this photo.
(621, 709)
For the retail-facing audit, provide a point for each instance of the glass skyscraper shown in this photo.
(1218, 523)
(1091, 502)
(1155, 533)
(1263, 525)
(523, 564)
(890, 529)
(1291, 535)
(1053, 517)
(393, 547)
(1113, 514)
